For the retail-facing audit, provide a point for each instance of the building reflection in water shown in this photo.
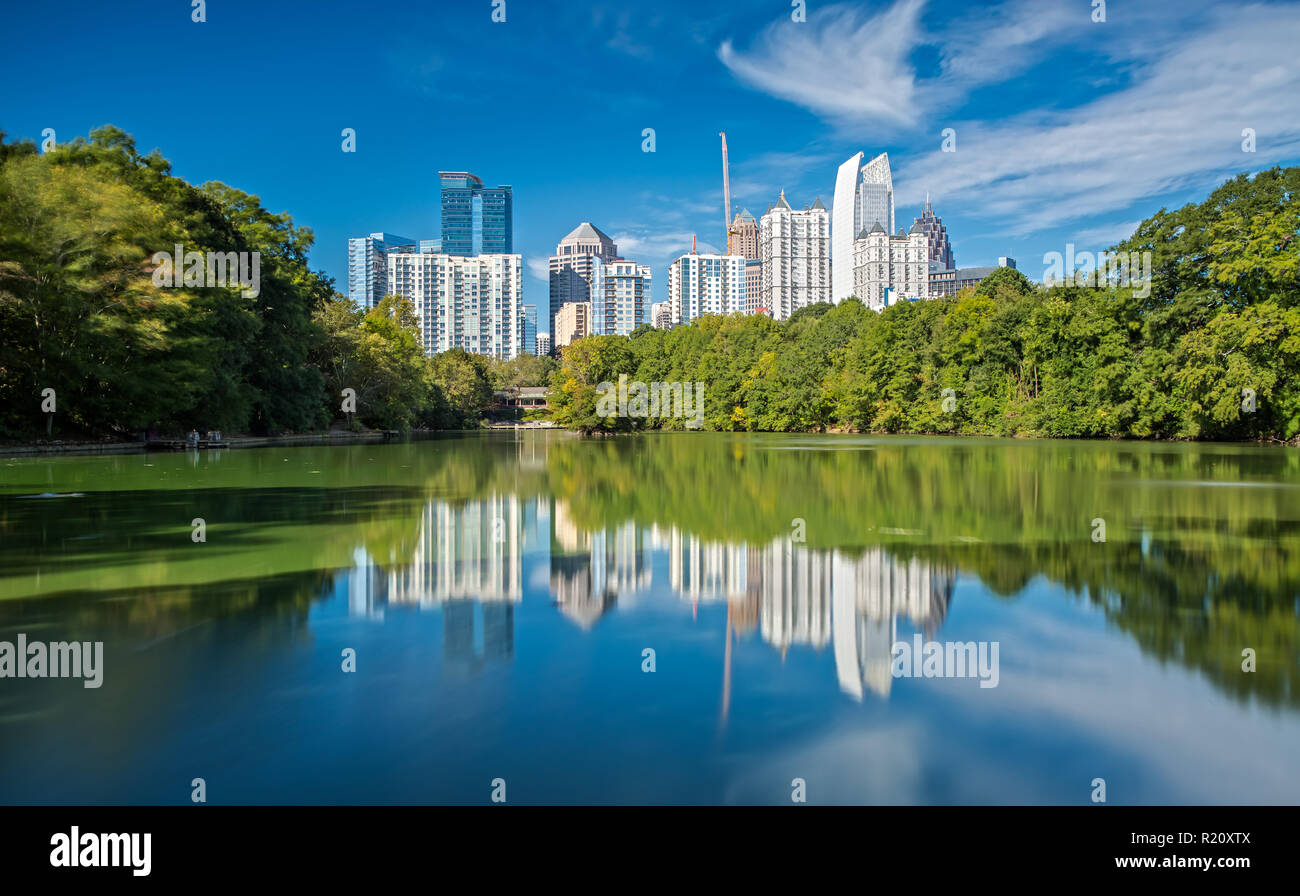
(468, 561)
(801, 595)
(591, 570)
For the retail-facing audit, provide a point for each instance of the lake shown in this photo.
(694, 618)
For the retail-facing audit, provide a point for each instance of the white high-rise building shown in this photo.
(705, 284)
(864, 197)
(888, 269)
(661, 315)
(796, 253)
(620, 297)
(475, 304)
(843, 230)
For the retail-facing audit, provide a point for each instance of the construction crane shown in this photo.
(726, 193)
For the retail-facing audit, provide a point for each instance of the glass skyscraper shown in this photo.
(530, 330)
(476, 220)
(368, 265)
(875, 196)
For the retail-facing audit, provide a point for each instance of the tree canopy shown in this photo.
(82, 312)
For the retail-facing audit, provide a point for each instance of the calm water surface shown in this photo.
(501, 591)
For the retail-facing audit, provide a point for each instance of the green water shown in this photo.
(500, 592)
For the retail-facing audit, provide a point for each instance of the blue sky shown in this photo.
(1067, 130)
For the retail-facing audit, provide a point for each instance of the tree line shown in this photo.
(1209, 349)
(87, 331)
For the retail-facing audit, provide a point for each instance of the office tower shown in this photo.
(475, 304)
(530, 330)
(543, 344)
(876, 195)
(368, 266)
(571, 266)
(795, 249)
(743, 238)
(889, 269)
(572, 321)
(844, 227)
(940, 250)
(754, 286)
(864, 197)
(620, 297)
(705, 284)
(476, 220)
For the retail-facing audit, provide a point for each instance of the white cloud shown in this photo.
(660, 247)
(1177, 127)
(840, 63)
(857, 69)
(539, 267)
(1178, 91)
(1103, 236)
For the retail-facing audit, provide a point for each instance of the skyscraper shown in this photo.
(571, 267)
(796, 254)
(473, 304)
(844, 227)
(368, 266)
(620, 297)
(743, 238)
(875, 195)
(705, 284)
(940, 250)
(476, 220)
(530, 330)
(864, 197)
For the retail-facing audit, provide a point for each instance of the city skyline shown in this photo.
(1049, 121)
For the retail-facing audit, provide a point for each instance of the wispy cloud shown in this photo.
(855, 68)
(841, 63)
(1179, 90)
(539, 266)
(658, 248)
(1178, 126)
(1104, 235)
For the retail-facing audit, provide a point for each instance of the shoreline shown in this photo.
(230, 442)
(16, 450)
